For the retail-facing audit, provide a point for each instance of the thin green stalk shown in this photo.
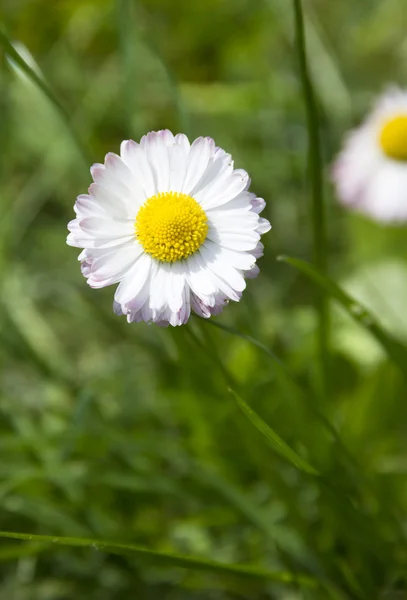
(12, 53)
(318, 211)
(126, 44)
(127, 34)
(284, 374)
(179, 104)
(395, 349)
(169, 559)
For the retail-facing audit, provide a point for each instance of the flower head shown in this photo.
(370, 173)
(174, 224)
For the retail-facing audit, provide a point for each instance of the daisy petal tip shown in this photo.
(96, 168)
(253, 272)
(264, 226)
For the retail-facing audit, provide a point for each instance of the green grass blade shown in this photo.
(396, 351)
(318, 210)
(35, 330)
(126, 46)
(179, 105)
(273, 439)
(250, 339)
(168, 559)
(285, 375)
(38, 81)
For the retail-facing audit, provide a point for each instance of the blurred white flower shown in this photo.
(174, 224)
(370, 173)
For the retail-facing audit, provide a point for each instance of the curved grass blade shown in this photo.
(250, 339)
(395, 350)
(318, 211)
(333, 92)
(273, 439)
(284, 373)
(38, 81)
(169, 559)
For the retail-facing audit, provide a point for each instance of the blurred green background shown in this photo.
(128, 433)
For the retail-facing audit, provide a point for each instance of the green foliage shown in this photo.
(128, 434)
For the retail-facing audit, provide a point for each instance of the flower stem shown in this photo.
(318, 211)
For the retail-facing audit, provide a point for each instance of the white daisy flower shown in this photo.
(371, 172)
(174, 224)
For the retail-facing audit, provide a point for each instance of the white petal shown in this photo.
(205, 311)
(138, 302)
(119, 171)
(263, 226)
(199, 307)
(177, 285)
(241, 202)
(167, 136)
(252, 273)
(182, 140)
(201, 151)
(158, 158)
(117, 179)
(86, 206)
(117, 308)
(71, 240)
(232, 186)
(385, 196)
(167, 288)
(258, 204)
(84, 241)
(135, 158)
(112, 266)
(258, 252)
(101, 228)
(185, 310)
(219, 266)
(236, 240)
(239, 260)
(134, 280)
(111, 204)
(147, 314)
(392, 102)
(357, 163)
(159, 291)
(214, 180)
(233, 220)
(85, 268)
(220, 167)
(178, 167)
(198, 278)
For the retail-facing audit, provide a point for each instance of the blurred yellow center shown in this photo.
(393, 138)
(171, 226)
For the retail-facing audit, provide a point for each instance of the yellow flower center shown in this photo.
(171, 226)
(393, 138)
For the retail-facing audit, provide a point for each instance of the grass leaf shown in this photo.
(286, 377)
(41, 84)
(273, 439)
(396, 351)
(318, 219)
(168, 559)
